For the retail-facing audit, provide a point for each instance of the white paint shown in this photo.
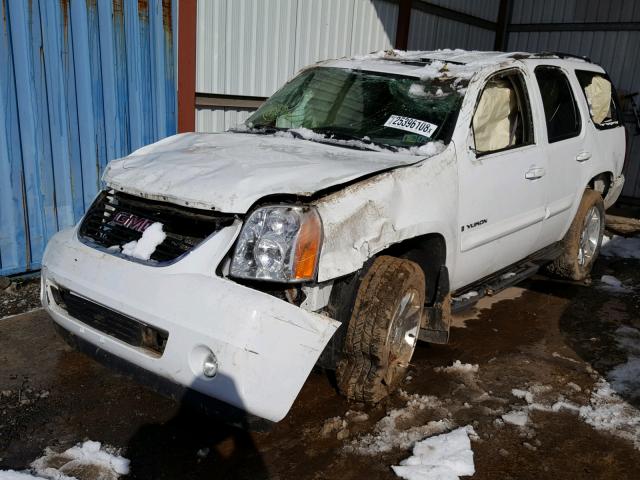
(265, 346)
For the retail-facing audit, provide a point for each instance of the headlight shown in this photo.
(279, 243)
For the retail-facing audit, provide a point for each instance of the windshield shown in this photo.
(388, 110)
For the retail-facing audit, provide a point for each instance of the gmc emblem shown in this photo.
(131, 221)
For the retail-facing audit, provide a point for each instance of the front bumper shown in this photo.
(265, 347)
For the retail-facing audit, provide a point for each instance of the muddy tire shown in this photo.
(582, 242)
(383, 329)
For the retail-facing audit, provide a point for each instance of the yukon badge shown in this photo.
(475, 224)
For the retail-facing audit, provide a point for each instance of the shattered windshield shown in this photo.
(388, 110)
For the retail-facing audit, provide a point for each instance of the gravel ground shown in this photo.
(21, 296)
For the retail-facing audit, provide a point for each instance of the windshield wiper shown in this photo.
(341, 135)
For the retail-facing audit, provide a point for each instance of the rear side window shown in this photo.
(502, 119)
(560, 108)
(600, 97)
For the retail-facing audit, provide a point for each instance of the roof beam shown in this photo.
(454, 15)
(505, 11)
(575, 27)
(404, 20)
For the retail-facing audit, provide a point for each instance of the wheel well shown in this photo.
(429, 251)
(601, 183)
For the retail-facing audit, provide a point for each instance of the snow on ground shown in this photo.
(458, 367)
(442, 457)
(519, 418)
(402, 427)
(625, 378)
(144, 248)
(624, 247)
(89, 460)
(613, 285)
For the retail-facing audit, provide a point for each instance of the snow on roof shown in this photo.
(433, 63)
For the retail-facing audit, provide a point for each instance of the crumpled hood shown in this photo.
(229, 172)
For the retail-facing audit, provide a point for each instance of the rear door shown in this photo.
(502, 179)
(563, 140)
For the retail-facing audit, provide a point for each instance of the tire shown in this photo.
(581, 244)
(382, 335)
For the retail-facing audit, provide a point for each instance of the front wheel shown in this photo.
(582, 241)
(383, 329)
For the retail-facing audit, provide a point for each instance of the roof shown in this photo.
(429, 63)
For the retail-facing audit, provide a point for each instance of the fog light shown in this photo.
(210, 366)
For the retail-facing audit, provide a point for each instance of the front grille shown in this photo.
(185, 227)
(110, 322)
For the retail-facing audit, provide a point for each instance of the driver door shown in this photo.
(502, 181)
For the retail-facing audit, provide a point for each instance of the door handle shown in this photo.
(535, 173)
(583, 156)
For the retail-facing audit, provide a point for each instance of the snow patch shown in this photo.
(427, 150)
(90, 457)
(401, 427)
(458, 367)
(625, 378)
(144, 248)
(613, 285)
(519, 418)
(442, 457)
(623, 247)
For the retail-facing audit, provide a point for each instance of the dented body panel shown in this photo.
(229, 172)
(243, 327)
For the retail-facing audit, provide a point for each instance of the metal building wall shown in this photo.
(81, 82)
(252, 47)
(430, 32)
(617, 51)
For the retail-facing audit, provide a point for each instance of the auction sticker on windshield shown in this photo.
(412, 125)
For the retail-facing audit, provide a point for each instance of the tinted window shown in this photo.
(560, 109)
(502, 119)
(600, 97)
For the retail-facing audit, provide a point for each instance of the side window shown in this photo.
(502, 119)
(600, 97)
(560, 108)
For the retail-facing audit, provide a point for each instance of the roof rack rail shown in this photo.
(566, 55)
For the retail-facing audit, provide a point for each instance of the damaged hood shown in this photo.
(229, 171)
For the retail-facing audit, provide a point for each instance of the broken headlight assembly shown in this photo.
(279, 243)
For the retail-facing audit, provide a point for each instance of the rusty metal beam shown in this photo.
(187, 15)
(450, 14)
(576, 27)
(404, 20)
(505, 11)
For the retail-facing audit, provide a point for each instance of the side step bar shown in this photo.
(470, 296)
(437, 316)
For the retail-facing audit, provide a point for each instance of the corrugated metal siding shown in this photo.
(428, 32)
(570, 11)
(81, 83)
(220, 119)
(252, 47)
(487, 9)
(617, 52)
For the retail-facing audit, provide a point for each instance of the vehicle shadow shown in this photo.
(602, 326)
(204, 439)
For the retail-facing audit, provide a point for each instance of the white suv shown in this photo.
(357, 208)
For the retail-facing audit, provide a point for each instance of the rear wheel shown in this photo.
(582, 241)
(383, 329)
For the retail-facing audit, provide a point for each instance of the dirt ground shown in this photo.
(551, 339)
